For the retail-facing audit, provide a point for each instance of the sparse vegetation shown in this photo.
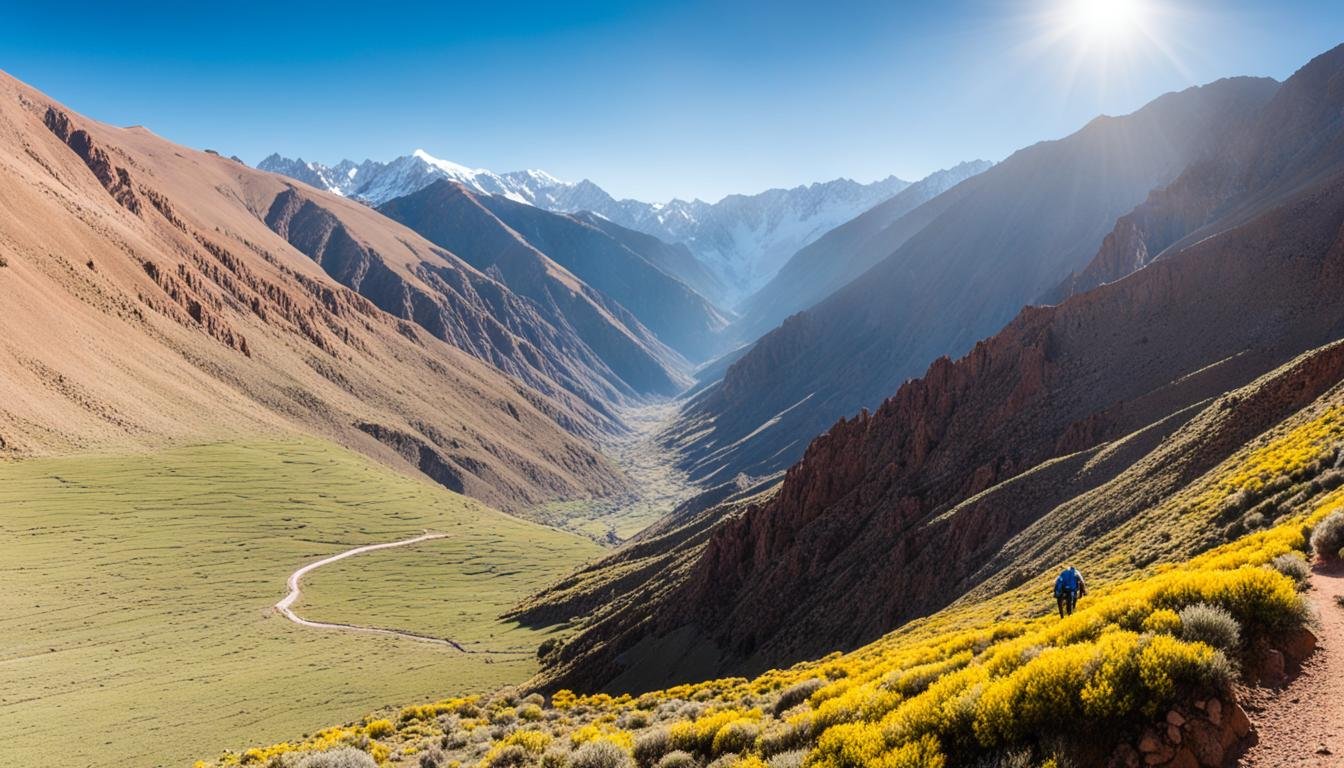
(1327, 539)
(1295, 567)
(341, 757)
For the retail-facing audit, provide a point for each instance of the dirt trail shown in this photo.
(285, 606)
(1303, 724)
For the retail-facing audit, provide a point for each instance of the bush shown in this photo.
(634, 720)
(737, 736)
(792, 759)
(506, 756)
(1294, 566)
(555, 758)
(433, 758)
(1163, 621)
(3, 262)
(599, 753)
(530, 712)
(344, 757)
(676, 759)
(798, 693)
(378, 729)
(1328, 538)
(651, 746)
(1204, 623)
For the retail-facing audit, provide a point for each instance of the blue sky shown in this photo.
(650, 100)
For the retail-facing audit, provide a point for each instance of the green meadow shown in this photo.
(136, 594)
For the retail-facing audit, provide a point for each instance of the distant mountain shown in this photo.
(742, 239)
(375, 183)
(152, 294)
(487, 230)
(843, 253)
(971, 258)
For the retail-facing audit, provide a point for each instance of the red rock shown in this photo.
(1173, 734)
(1204, 739)
(1237, 720)
(1298, 646)
(1175, 718)
(1215, 711)
(1184, 759)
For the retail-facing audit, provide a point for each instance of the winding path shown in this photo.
(285, 606)
(1303, 724)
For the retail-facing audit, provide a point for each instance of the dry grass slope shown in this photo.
(136, 621)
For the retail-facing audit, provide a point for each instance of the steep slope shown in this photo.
(844, 253)
(1057, 436)
(1299, 138)
(677, 315)
(145, 300)
(674, 259)
(452, 217)
(993, 243)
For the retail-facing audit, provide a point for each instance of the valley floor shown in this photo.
(659, 485)
(1303, 724)
(137, 619)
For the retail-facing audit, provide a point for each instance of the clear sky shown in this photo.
(650, 100)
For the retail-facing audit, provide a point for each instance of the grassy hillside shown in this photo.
(984, 677)
(136, 624)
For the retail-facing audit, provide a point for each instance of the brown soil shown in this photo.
(1302, 724)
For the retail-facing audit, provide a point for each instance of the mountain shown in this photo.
(614, 276)
(674, 259)
(153, 294)
(844, 253)
(1074, 432)
(978, 252)
(742, 239)
(376, 183)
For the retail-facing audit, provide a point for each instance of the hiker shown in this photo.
(1068, 588)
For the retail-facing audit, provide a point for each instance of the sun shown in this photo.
(1109, 22)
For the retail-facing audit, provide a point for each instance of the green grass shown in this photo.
(135, 615)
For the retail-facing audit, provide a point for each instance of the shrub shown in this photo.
(635, 720)
(676, 759)
(3, 262)
(433, 758)
(1253, 521)
(1163, 621)
(1203, 623)
(530, 712)
(651, 746)
(506, 756)
(377, 729)
(599, 753)
(1295, 567)
(344, 757)
(737, 736)
(798, 693)
(555, 758)
(793, 759)
(1328, 537)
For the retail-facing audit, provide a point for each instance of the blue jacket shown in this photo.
(1069, 580)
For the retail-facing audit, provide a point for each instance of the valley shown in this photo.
(409, 463)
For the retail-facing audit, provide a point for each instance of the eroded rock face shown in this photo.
(1200, 736)
(114, 178)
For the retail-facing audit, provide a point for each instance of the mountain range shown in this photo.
(741, 240)
(1077, 431)
(963, 263)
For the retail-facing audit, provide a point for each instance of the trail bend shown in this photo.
(286, 605)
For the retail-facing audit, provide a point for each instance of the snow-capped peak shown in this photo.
(449, 167)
